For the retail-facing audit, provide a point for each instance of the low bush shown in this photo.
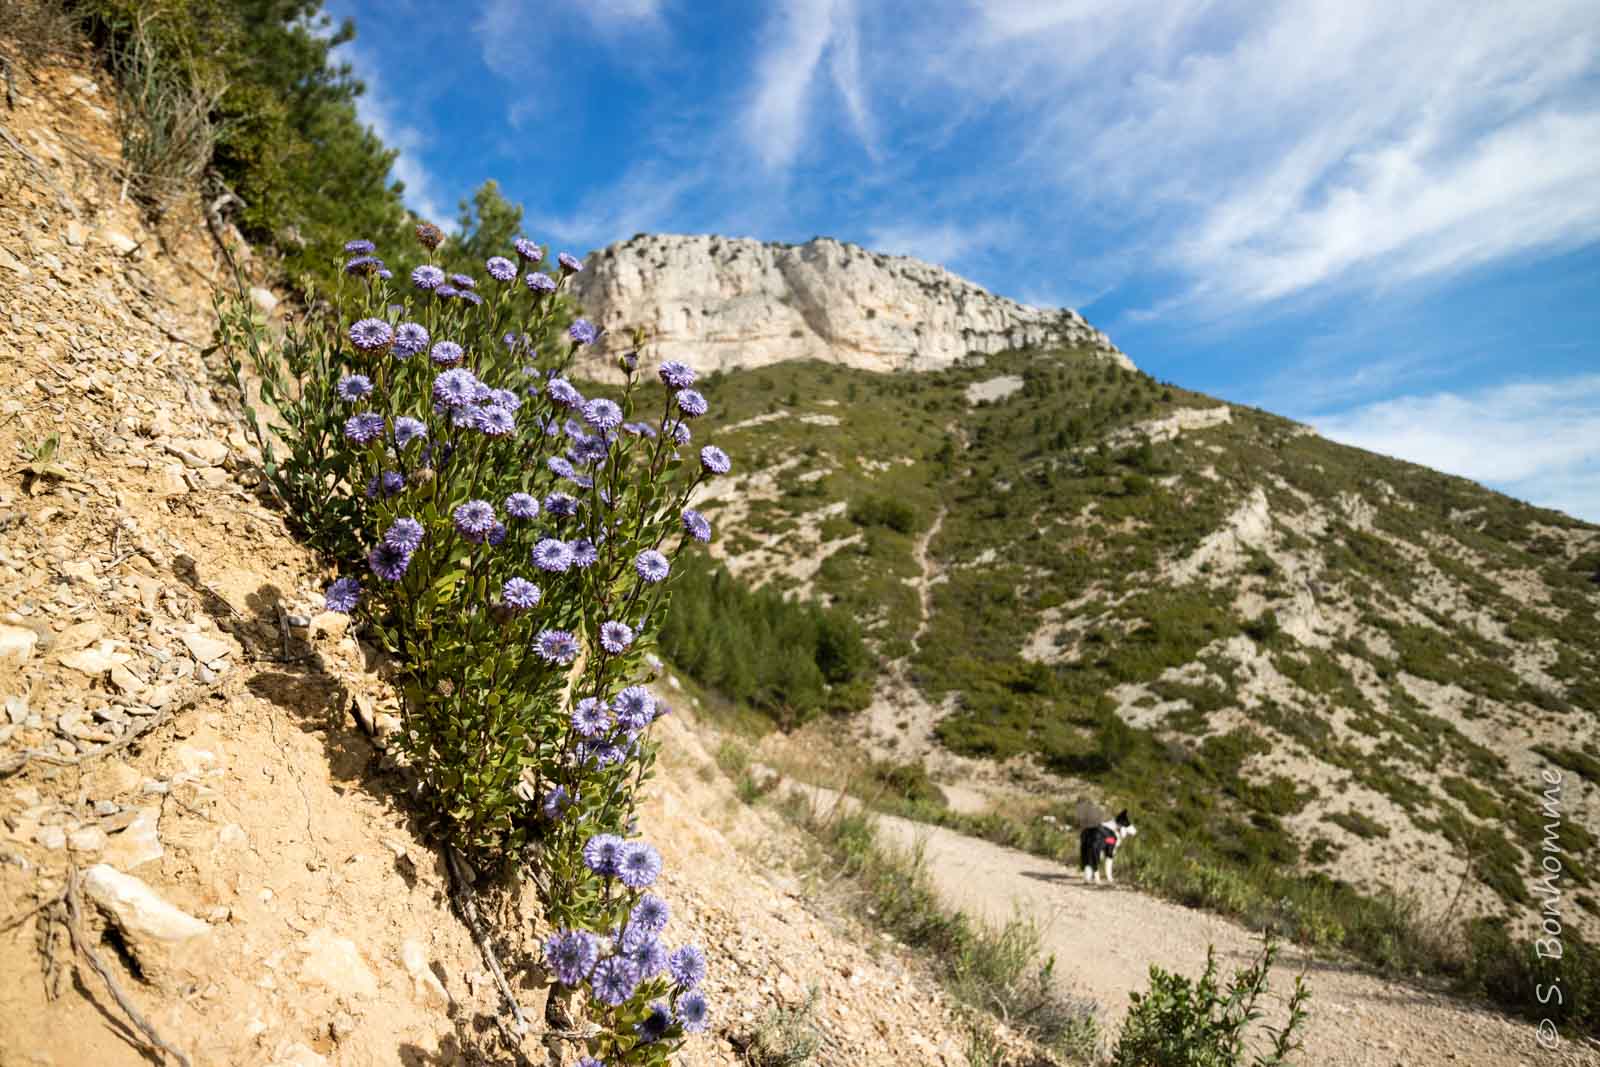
(509, 544)
(1184, 1023)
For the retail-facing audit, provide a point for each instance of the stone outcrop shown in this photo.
(719, 302)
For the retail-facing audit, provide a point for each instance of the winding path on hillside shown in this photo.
(1105, 938)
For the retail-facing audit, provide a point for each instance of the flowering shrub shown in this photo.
(509, 542)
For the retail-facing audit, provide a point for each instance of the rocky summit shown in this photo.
(733, 302)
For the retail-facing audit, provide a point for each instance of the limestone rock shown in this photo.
(336, 963)
(205, 648)
(717, 303)
(134, 838)
(151, 927)
(425, 984)
(17, 643)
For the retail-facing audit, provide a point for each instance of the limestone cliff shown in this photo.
(720, 302)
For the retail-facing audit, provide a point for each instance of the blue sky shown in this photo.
(1378, 216)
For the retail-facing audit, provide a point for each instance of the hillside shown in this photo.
(1283, 653)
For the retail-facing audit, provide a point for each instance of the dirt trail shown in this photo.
(1105, 938)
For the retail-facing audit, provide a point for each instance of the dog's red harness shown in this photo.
(1111, 839)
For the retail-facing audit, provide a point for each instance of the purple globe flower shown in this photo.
(447, 292)
(389, 562)
(365, 428)
(475, 518)
(676, 375)
(638, 864)
(590, 718)
(363, 265)
(496, 421)
(560, 467)
(602, 414)
(615, 637)
(692, 1012)
(571, 954)
(410, 338)
(371, 335)
(462, 281)
(521, 594)
(522, 506)
(601, 854)
(652, 566)
(471, 297)
(427, 277)
(584, 553)
(635, 707)
(654, 1026)
(613, 981)
(446, 354)
(562, 392)
(589, 1061)
(385, 273)
(404, 533)
(501, 269)
(691, 403)
(650, 914)
(464, 418)
(687, 966)
(342, 596)
(606, 755)
(456, 388)
(590, 449)
(556, 646)
(497, 535)
(582, 331)
(527, 251)
(569, 262)
(554, 803)
(552, 555)
(353, 387)
(696, 525)
(560, 505)
(715, 460)
(407, 429)
(505, 398)
(540, 282)
(360, 247)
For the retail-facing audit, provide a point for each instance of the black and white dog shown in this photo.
(1100, 843)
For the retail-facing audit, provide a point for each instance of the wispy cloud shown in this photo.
(799, 36)
(1536, 441)
(376, 108)
(944, 243)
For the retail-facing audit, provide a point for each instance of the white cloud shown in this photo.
(1539, 442)
(939, 243)
(514, 36)
(776, 119)
(1260, 152)
(377, 109)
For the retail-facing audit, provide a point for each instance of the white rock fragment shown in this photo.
(87, 839)
(138, 842)
(264, 299)
(121, 242)
(336, 963)
(147, 921)
(17, 643)
(426, 986)
(206, 649)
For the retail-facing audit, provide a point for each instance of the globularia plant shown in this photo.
(509, 543)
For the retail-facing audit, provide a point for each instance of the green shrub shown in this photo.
(1184, 1023)
(886, 511)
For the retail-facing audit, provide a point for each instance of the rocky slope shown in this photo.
(193, 747)
(1285, 653)
(720, 303)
